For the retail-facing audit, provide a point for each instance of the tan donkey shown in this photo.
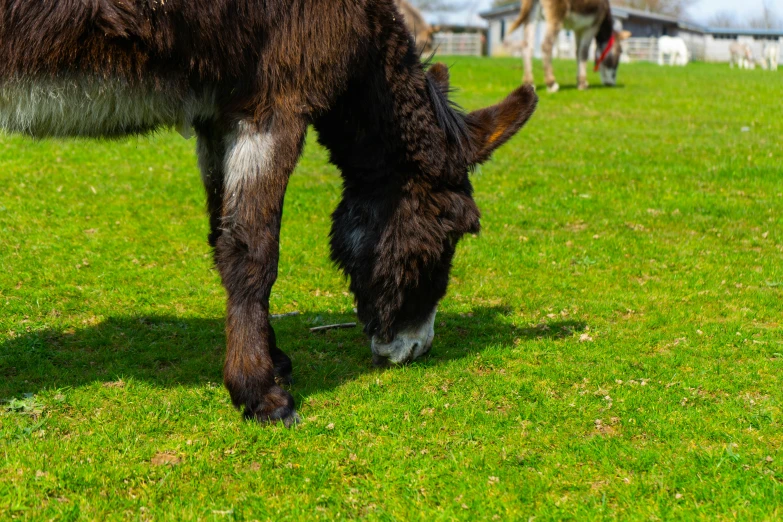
(589, 19)
(422, 31)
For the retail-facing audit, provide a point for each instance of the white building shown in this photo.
(705, 43)
(717, 41)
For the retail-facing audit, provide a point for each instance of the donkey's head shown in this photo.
(609, 50)
(397, 240)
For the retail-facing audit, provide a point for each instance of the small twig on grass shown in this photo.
(280, 316)
(319, 329)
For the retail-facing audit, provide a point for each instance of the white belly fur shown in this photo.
(93, 107)
(578, 23)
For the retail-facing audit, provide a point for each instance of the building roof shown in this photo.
(497, 12)
(745, 31)
(624, 13)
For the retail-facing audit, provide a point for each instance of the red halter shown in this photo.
(609, 46)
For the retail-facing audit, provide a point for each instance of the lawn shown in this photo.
(611, 345)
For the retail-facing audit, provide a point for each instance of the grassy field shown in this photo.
(611, 345)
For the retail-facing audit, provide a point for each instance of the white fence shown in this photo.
(465, 44)
(634, 49)
(641, 49)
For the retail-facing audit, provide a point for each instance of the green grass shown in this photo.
(611, 345)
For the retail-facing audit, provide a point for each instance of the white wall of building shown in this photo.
(717, 49)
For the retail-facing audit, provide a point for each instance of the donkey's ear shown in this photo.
(492, 127)
(439, 75)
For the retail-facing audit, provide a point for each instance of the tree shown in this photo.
(724, 19)
(768, 19)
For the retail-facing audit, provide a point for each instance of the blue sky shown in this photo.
(701, 12)
(705, 9)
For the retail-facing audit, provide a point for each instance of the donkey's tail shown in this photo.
(524, 14)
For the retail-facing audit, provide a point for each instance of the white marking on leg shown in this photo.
(409, 344)
(582, 75)
(579, 22)
(249, 156)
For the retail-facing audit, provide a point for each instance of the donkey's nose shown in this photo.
(409, 344)
(400, 351)
(384, 361)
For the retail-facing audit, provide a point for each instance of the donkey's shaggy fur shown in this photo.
(250, 76)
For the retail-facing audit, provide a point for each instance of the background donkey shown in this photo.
(742, 56)
(250, 75)
(589, 19)
(770, 56)
(417, 25)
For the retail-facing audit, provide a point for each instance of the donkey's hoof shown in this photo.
(289, 418)
(553, 88)
(292, 420)
(276, 406)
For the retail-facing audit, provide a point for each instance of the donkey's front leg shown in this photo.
(528, 48)
(212, 155)
(260, 156)
(583, 42)
(547, 49)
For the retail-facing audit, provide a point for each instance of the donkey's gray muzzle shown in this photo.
(409, 344)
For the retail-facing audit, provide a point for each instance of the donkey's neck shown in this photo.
(605, 30)
(383, 127)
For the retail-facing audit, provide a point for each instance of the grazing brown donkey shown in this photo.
(249, 76)
(589, 19)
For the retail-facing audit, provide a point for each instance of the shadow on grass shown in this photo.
(168, 351)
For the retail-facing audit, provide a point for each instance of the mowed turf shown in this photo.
(611, 345)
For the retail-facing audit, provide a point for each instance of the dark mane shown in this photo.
(450, 116)
(606, 29)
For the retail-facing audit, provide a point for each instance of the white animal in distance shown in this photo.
(742, 56)
(673, 51)
(771, 56)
